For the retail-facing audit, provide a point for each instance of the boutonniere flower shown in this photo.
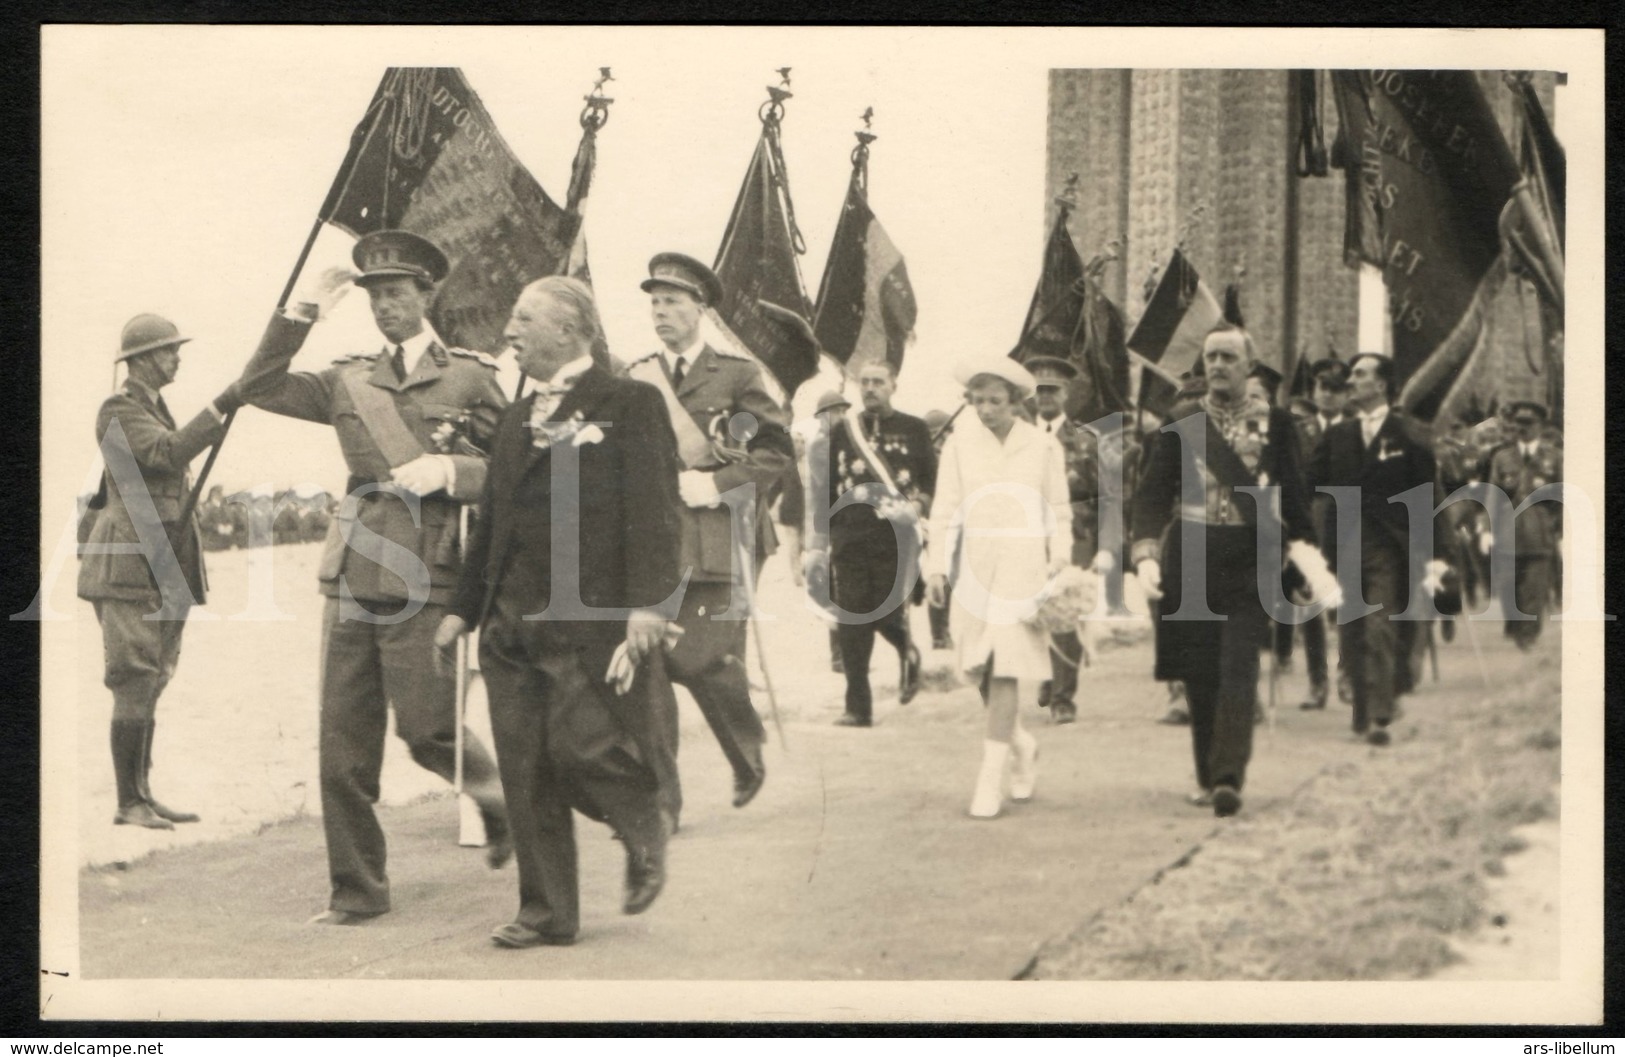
(589, 434)
(859, 466)
(546, 434)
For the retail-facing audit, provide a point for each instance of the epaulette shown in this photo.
(731, 353)
(484, 359)
(357, 357)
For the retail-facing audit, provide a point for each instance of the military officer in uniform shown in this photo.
(1520, 468)
(731, 432)
(414, 421)
(883, 459)
(1211, 621)
(1082, 446)
(141, 559)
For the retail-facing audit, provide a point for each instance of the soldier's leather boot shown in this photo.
(158, 809)
(128, 740)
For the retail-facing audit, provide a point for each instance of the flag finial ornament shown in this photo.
(1068, 198)
(595, 115)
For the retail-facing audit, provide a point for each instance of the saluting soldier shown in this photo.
(730, 432)
(1082, 445)
(414, 421)
(142, 565)
(1520, 468)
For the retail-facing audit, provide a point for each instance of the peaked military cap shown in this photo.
(1050, 371)
(684, 273)
(398, 255)
(1533, 407)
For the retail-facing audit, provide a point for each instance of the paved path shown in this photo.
(856, 862)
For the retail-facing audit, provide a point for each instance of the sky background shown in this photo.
(182, 168)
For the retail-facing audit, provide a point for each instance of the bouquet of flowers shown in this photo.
(1068, 598)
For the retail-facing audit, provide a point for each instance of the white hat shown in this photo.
(998, 366)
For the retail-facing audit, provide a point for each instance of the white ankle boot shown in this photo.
(988, 798)
(1023, 765)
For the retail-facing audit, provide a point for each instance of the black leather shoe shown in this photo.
(747, 786)
(141, 813)
(646, 867)
(170, 813)
(908, 681)
(341, 917)
(1226, 801)
(515, 936)
(847, 719)
(1378, 736)
(1064, 712)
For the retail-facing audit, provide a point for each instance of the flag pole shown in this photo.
(231, 416)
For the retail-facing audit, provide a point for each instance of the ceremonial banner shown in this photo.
(1072, 319)
(1056, 308)
(757, 262)
(1177, 319)
(866, 308)
(427, 158)
(1428, 175)
(1158, 390)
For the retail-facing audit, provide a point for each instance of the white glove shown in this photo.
(424, 475)
(1486, 540)
(698, 488)
(1150, 573)
(813, 560)
(317, 301)
(1323, 586)
(1433, 580)
(1104, 562)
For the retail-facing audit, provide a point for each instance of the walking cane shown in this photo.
(470, 823)
(748, 568)
(1478, 653)
(1269, 713)
(1433, 652)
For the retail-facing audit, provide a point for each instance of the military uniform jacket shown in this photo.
(450, 403)
(859, 532)
(162, 454)
(717, 386)
(1265, 446)
(1539, 526)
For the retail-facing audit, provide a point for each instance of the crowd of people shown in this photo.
(605, 532)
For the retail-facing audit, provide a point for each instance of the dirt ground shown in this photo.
(856, 862)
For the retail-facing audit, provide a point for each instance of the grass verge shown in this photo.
(1365, 874)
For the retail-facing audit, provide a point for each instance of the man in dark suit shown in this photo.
(1520, 468)
(1331, 392)
(570, 576)
(413, 419)
(142, 564)
(730, 432)
(1384, 454)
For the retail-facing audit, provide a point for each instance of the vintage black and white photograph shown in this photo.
(827, 524)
